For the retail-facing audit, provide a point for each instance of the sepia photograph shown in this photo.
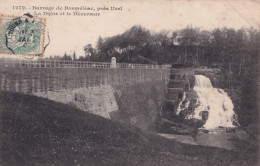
(129, 83)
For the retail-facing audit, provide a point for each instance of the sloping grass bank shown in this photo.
(37, 131)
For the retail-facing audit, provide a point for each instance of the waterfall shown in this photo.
(215, 102)
(179, 106)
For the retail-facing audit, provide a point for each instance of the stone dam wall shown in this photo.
(133, 96)
(32, 80)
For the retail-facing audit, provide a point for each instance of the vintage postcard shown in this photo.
(128, 82)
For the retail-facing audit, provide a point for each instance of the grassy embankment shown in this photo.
(36, 131)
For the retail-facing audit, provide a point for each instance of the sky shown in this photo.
(69, 33)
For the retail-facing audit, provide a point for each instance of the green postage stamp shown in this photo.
(22, 35)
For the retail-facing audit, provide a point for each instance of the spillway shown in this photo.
(215, 102)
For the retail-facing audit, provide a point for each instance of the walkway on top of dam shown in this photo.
(50, 63)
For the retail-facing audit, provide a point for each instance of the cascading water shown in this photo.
(215, 101)
(179, 106)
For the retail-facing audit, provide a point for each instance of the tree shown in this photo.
(66, 57)
(174, 35)
(100, 44)
(74, 56)
(88, 50)
(189, 39)
(81, 58)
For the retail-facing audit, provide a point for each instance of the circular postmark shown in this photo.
(22, 35)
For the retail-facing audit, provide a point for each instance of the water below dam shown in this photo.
(224, 138)
(215, 108)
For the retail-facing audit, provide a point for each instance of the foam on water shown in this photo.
(215, 101)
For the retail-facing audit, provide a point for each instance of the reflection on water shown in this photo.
(220, 137)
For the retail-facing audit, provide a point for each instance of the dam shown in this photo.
(129, 93)
(105, 88)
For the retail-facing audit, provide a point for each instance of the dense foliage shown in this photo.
(189, 45)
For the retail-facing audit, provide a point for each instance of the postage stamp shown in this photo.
(22, 35)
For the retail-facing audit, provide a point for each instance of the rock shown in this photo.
(79, 97)
(205, 131)
(195, 123)
(230, 130)
(166, 126)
